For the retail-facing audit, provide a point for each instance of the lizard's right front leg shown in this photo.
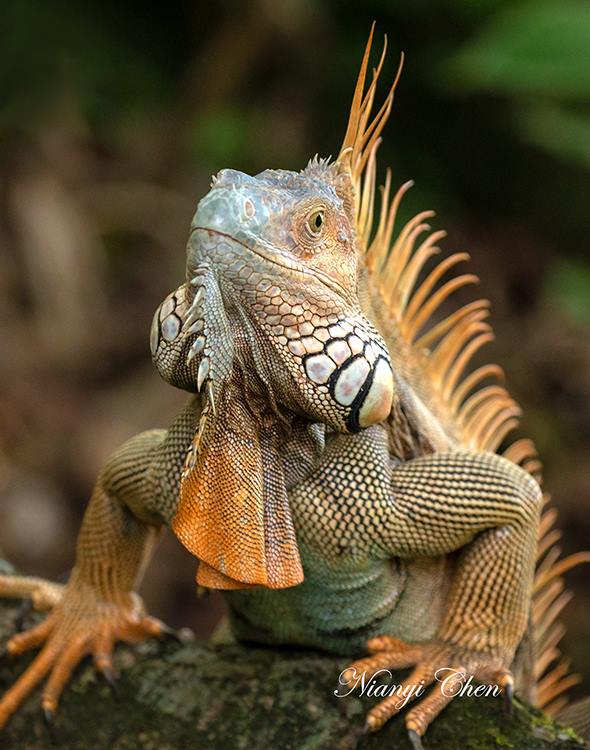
(133, 496)
(489, 508)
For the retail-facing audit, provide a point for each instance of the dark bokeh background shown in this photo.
(113, 117)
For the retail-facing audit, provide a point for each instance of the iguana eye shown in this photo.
(316, 222)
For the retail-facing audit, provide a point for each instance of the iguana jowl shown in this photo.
(334, 473)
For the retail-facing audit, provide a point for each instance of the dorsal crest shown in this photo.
(356, 160)
(434, 353)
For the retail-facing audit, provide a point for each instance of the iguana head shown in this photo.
(283, 248)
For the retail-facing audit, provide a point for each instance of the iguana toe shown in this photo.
(42, 595)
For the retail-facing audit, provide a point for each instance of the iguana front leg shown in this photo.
(426, 507)
(134, 496)
(490, 507)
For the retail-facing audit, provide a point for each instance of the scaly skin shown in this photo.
(310, 476)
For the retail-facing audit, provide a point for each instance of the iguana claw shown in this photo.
(111, 680)
(49, 721)
(508, 692)
(182, 636)
(415, 739)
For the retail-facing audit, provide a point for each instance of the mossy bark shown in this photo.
(201, 697)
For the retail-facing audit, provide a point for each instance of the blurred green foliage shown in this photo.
(54, 50)
(536, 53)
(568, 288)
(531, 48)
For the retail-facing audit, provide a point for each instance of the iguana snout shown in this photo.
(236, 207)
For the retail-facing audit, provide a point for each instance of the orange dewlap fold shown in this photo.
(211, 578)
(234, 512)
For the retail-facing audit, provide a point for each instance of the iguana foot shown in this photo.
(447, 664)
(80, 623)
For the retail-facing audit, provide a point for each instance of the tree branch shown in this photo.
(195, 696)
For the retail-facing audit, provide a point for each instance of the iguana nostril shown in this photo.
(248, 208)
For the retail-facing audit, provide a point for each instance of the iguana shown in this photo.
(334, 471)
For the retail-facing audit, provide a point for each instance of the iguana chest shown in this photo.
(339, 509)
(352, 588)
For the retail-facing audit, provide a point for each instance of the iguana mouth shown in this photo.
(274, 255)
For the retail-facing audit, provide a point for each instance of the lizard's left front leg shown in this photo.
(489, 506)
